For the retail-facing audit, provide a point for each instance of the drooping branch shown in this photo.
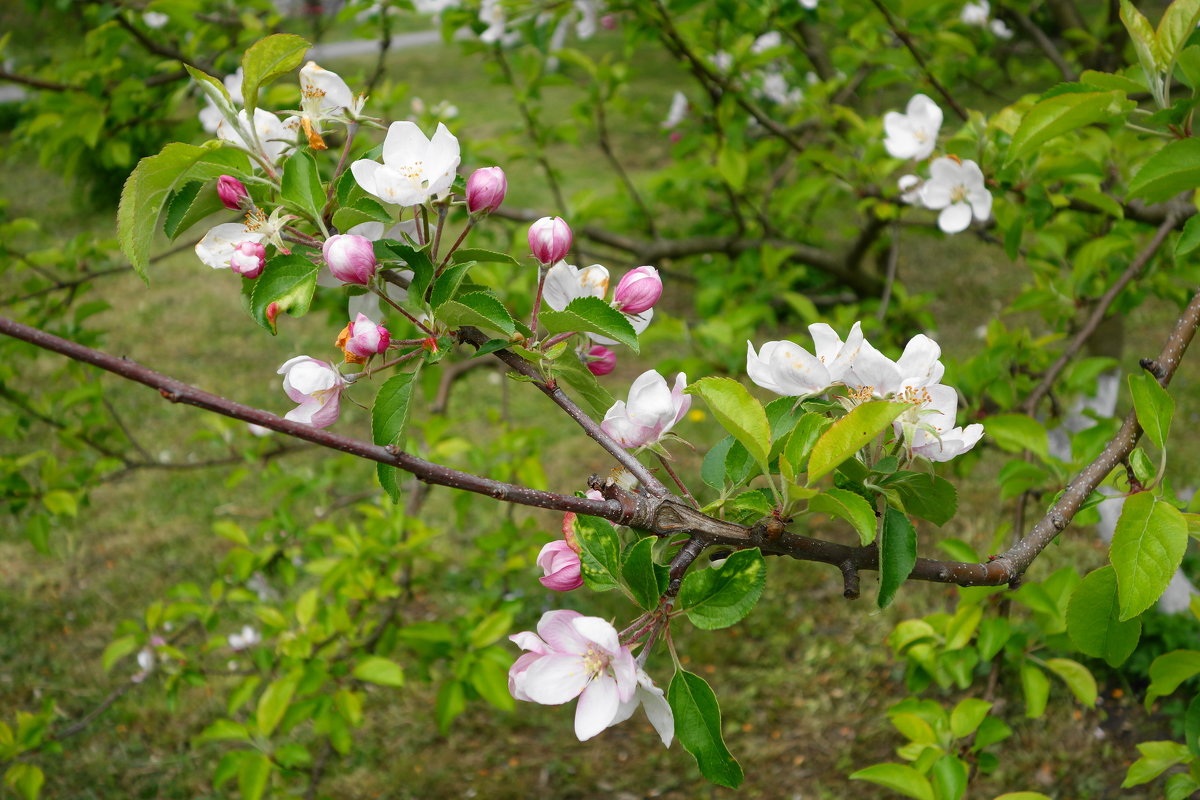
(911, 46)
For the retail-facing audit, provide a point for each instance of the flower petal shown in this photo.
(555, 679)
(598, 704)
(955, 218)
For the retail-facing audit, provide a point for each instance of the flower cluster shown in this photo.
(574, 656)
(651, 411)
(927, 428)
(977, 15)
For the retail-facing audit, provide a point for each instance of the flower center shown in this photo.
(958, 194)
(595, 661)
(862, 394)
(914, 396)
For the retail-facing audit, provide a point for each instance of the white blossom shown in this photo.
(914, 133)
(414, 168)
(787, 369)
(928, 426)
(565, 283)
(975, 13)
(677, 112)
(957, 188)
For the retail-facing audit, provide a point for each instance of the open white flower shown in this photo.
(217, 247)
(323, 95)
(788, 369)
(975, 13)
(999, 29)
(957, 188)
(875, 375)
(492, 14)
(248, 637)
(677, 112)
(565, 282)
(652, 410)
(414, 168)
(928, 427)
(658, 710)
(914, 133)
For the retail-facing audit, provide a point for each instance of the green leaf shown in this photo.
(848, 506)
(147, 189)
(389, 418)
(116, 650)
(591, 315)
(1077, 677)
(274, 702)
(223, 730)
(451, 701)
(1189, 238)
(289, 282)
(483, 257)
(800, 443)
(491, 628)
(1147, 547)
(1109, 81)
(1191, 726)
(445, 286)
(897, 554)
(300, 185)
(1062, 114)
(412, 258)
(254, 775)
(480, 309)
(1173, 169)
(738, 413)
(189, 204)
(490, 679)
(1177, 24)
(967, 716)
(1145, 40)
(576, 375)
(1157, 758)
(266, 60)
(600, 559)
(712, 469)
(732, 166)
(899, 778)
(1154, 407)
(850, 434)
(61, 503)
(645, 579)
(1017, 432)
(1169, 670)
(380, 671)
(927, 496)
(949, 775)
(698, 728)
(1093, 620)
(723, 594)
(26, 779)
(1036, 687)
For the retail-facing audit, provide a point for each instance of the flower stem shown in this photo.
(457, 242)
(537, 301)
(402, 310)
(667, 466)
(388, 364)
(420, 232)
(561, 337)
(442, 209)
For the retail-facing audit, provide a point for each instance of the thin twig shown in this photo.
(908, 42)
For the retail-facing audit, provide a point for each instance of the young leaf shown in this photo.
(850, 507)
(1169, 670)
(576, 375)
(949, 775)
(645, 579)
(389, 418)
(1077, 677)
(967, 716)
(1017, 432)
(274, 702)
(289, 282)
(266, 60)
(365, 209)
(1062, 114)
(1146, 549)
(483, 257)
(1036, 687)
(300, 185)
(481, 309)
(722, 595)
(591, 315)
(1173, 169)
(698, 728)
(1157, 758)
(1154, 407)
(254, 775)
(412, 258)
(1145, 41)
(849, 434)
(601, 553)
(1177, 24)
(712, 470)
(380, 671)
(738, 413)
(899, 778)
(445, 286)
(1093, 619)
(800, 443)
(188, 205)
(897, 554)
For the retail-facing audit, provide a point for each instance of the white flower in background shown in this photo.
(652, 409)
(928, 426)
(787, 369)
(768, 41)
(258, 430)
(492, 14)
(247, 638)
(219, 245)
(146, 661)
(914, 133)
(434, 6)
(875, 375)
(210, 117)
(677, 112)
(589, 13)
(274, 136)
(957, 188)
(975, 13)
(809, 4)
(155, 19)
(999, 29)
(414, 168)
(910, 189)
(658, 710)
(776, 89)
(722, 61)
(565, 283)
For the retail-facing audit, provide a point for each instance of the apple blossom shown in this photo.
(910, 189)
(658, 710)
(652, 410)
(351, 258)
(492, 14)
(246, 639)
(677, 112)
(638, 290)
(550, 239)
(565, 282)
(274, 137)
(928, 426)
(788, 369)
(809, 4)
(145, 661)
(155, 19)
(600, 360)
(913, 134)
(776, 89)
(875, 375)
(316, 386)
(975, 13)
(217, 247)
(957, 188)
(248, 259)
(560, 563)
(1000, 29)
(768, 41)
(232, 192)
(364, 338)
(575, 656)
(485, 190)
(322, 95)
(414, 168)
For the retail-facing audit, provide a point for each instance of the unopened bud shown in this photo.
(365, 338)
(351, 258)
(232, 192)
(550, 240)
(485, 190)
(248, 259)
(600, 360)
(638, 290)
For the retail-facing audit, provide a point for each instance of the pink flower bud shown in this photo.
(232, 192)
(609, 22)
(561, 565)
(248, 259)
(351, 258)
(638, 291)
(600, 360)
(366, 338)
(549, 239)
(485, 190)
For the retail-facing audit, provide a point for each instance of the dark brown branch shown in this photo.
(911, 46)
(37, 83)
(1097, 316)
(157, 48)
(1039, 37)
